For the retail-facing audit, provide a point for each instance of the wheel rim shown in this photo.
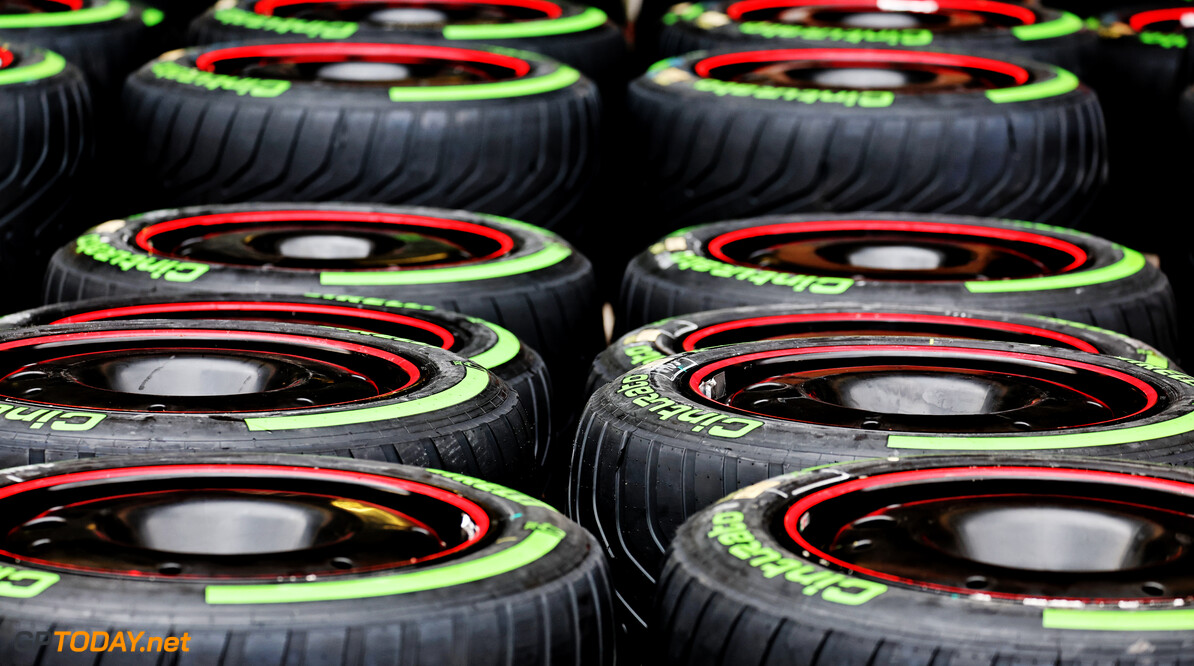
(378, 65)
(40, 6)
(374, 321)
(872, 324)
(325, 240)
(856, 69)
(1006, 532)
(196, 371)
(234, 521)
(413, 13)
(941, 16)
(1175, 19)
(892, 250)
(923, 389)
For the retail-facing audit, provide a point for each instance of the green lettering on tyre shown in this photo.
(541, 540)
(17, 583)
(475, 381)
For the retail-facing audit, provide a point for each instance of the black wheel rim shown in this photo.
(325, 240)
(233, 521)
(910, 388)
(195, 370)
(354, 64)
(943, 16)
(899, 251)
(413, 14)
(906, 72)
(1006, 532)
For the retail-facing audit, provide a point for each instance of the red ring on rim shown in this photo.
(716, 245)
(440, 332)
(411, 370)
(1141, 21)
(6, 57)
(799, 509)
(553, 11)
(1019, 74)
(1027, 16)
(1150, 393)
(690, 342)
(342, 51)
(473, 510)
(144, 237)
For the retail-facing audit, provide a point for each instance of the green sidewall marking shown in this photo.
(50, 65)
(1177, 426)
(473, 383)
(586, 20)
(113, 10)
(1130, 264)
(563, 77)
(1066, 24)
(1062, 83)
(1114, 619)
(553, 253)
(539, 543)
(502, 351)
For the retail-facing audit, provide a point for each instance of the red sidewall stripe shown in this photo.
(1141, 21)
(341, 51)
(1019, 74)
(1025, 15)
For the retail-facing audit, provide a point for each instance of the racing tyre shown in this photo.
(999, 559)
(517, 276)
(730, 134)
(714, 328)
(957, 263)
(961, 26)
(46, 129)
(662, 442)
(488, 345)
(120, 388)
(267, 558)
(493, 130)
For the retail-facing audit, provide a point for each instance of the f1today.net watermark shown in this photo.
(98, 641)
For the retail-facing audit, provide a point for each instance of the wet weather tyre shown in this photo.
(1075, 276)
(1012, 29)
(46, 128)
(712, 328)
(519, 141)
(106, 39)
(576, 34)
(508, 561)
(738, 583)
(121, 388)
(488, 345)
(517, 276)
(719, 145)
(661, 442)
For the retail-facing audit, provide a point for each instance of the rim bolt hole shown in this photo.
(31, 391)
(156, 407)
(871, 424)
(1183, 538)
(1023, 425)
(170, 569)
(977, 582)
(359, 378)
(862, 545)
(304, 401)
(874, 522)
(1153, 589)
(342, 563)
(40, 543)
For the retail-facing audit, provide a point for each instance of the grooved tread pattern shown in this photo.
(529, 158)
(711, 158)
(46, 130)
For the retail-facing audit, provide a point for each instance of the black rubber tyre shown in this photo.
(106, 39)
(1069, 275)
(1144, 64)
(651, 450)
(509, 564)
(717, 148)
(519, 277)
(740, 584)
(959, 26)
(46, 128)
(575, 34)
(127, 387)
(713, 328)
(522, 144)
(488, 345)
